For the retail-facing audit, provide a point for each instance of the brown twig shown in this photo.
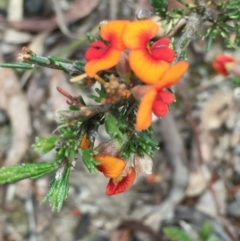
(84, 112)
(73, 100)
(192, 25)
(70, 67)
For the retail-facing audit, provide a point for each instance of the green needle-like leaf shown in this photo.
(89, 161)
(45, 145)
(112, 127)
(58, 192)
(17, 66)
(26, 170)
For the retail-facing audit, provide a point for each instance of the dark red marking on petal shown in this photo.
(96, 50)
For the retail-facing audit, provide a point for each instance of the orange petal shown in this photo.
(144, 114)
(172, 76)
(112, 32)
(109, 60)
(119, 185)
(145, 67)
(85, 143)
(137, 34)
(110, 166)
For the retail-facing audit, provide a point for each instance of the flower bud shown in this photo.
(108, 148)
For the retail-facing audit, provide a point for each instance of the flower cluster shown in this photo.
(150, 63)
(121, 175)
(144, 71)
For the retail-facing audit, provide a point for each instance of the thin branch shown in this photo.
(194, 21)
(84, 112)
(72, 68)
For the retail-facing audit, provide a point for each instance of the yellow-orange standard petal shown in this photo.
(137, 34)
(109, 60)
(145, 67)
(112, 32)
(144, 114)
(172, 75)
(110, 166)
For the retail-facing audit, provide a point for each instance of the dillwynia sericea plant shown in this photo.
(135, 75)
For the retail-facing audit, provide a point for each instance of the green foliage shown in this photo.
(178, 234)
(45, 145)
(223, 17)
(112, 127)
(205, 234)
(89, 161)
(236, 80)
(224, 23)
(26, 170)
(16, 66)
(160, 7)
(59, 188)
(101, 94)
(140, 143)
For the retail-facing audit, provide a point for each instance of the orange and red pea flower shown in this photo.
(157, 95)
(148, 62)
(122, 183)
(102, 55)
(222, 63)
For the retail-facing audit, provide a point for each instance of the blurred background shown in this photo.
(196, 174)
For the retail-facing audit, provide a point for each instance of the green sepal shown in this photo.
(89, 161)
(59, 188)
(26, 170)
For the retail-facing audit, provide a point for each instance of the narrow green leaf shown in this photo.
(89, 161)
(59, 189)
(209, 42)
(16, 66)
(45, 145)
(26, 170)
(112, 127)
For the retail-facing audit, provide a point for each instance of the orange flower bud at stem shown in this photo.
(85, 142)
